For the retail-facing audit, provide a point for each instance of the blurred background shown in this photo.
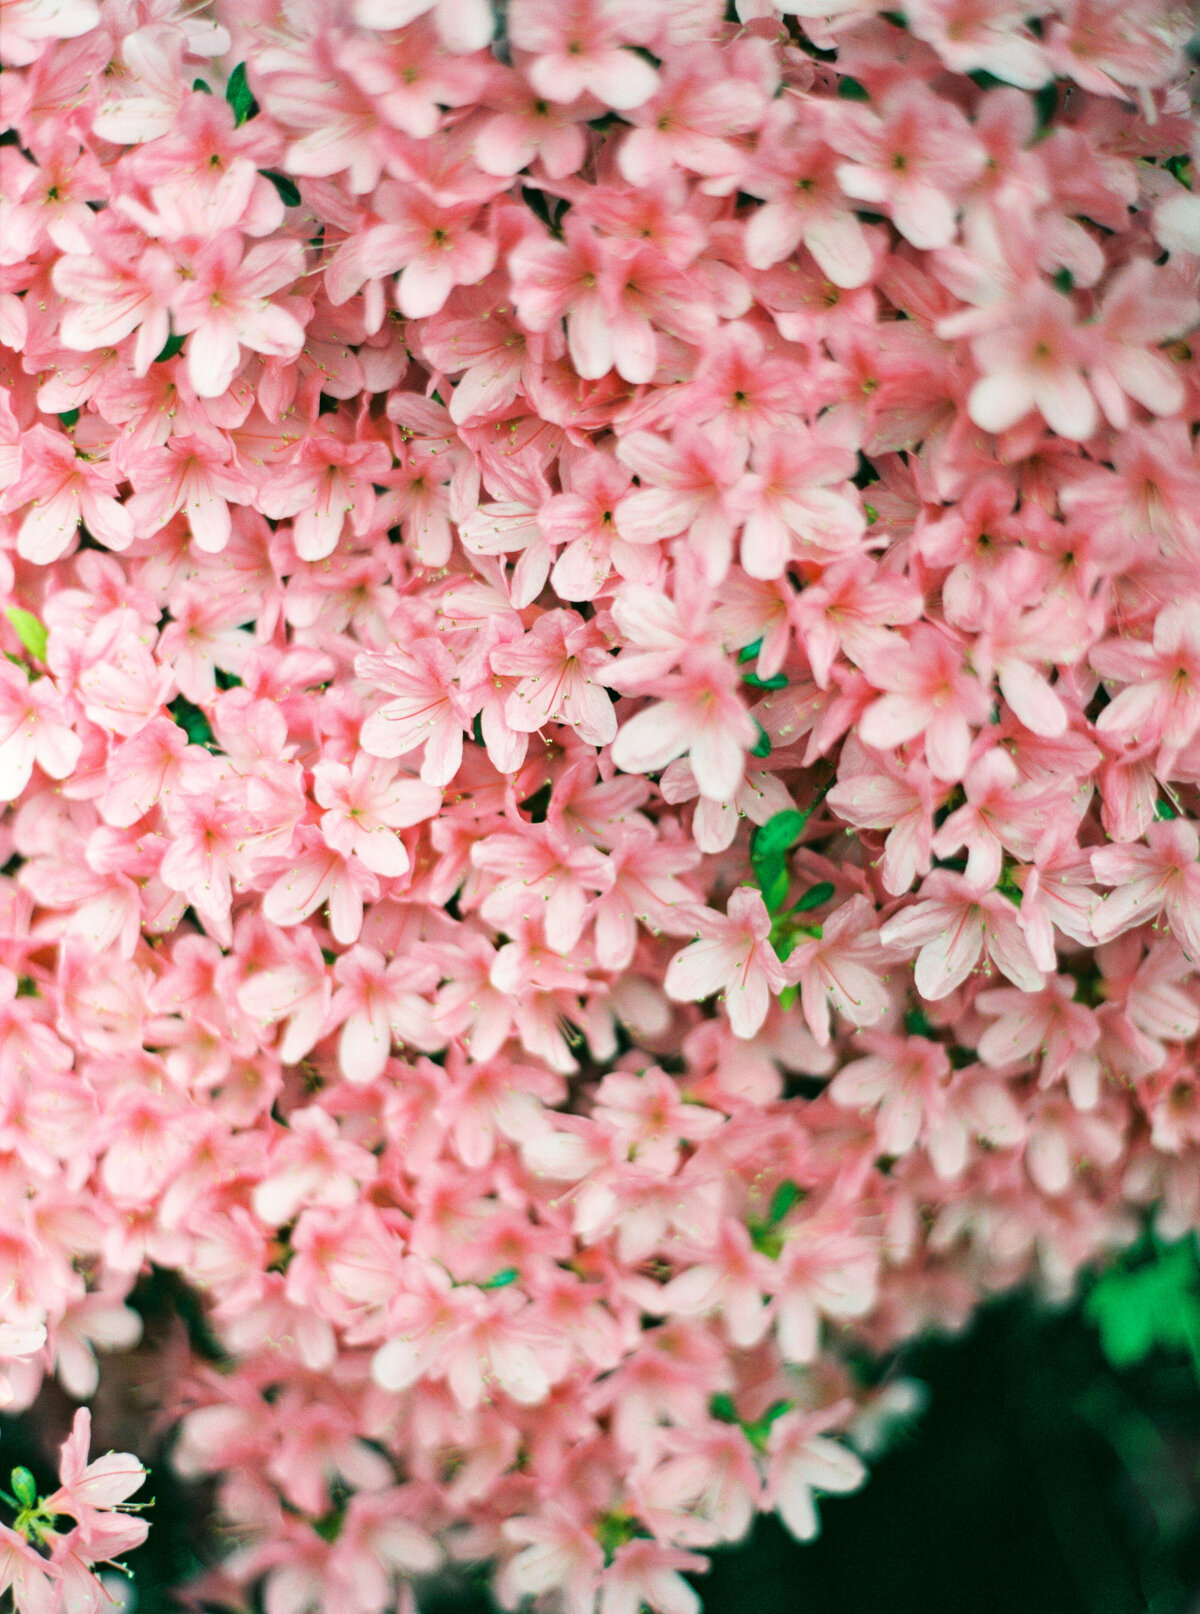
(1054, 1469)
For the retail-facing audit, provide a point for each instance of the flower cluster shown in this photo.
(601, 716)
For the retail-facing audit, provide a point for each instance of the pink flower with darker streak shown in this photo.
(733, 959)
(1161, 878)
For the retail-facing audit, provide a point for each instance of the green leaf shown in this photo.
(330, 1526)
(1164, 810)
(766, 1241)
(613, 1530)
(722, 1408)
(501, 1279)
(849, 89)
(193, 722)
(1007, 887)
(1155, 1305)
(749, 652)
(69, 417)
(237, 93)
(172, 346)
(773, 880)
(1045, 102)
(31, 632)
(788, 996)
(814, 897)
(24, 1487)
(289, 194)
(758, 1432)
(776, 681)
(768, 848)
(762, 746)
(199, 84)
(785, 1196)
(779, 834)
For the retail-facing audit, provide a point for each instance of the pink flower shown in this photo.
(696, 114)
(798, 504)
(803, 1461)
(365, 805)
(933, 694)
(541, 877)
(645, 1571)
(461, 26)
(311, 1164)
(686, 486)
(560, 666)
(987, 35)
(88, 1490)
(121, 285)
(917, 1098)
(318, 875)
(376, 1002)
(1052, 1026)
(915, 158)
(33, 728)
(327, 483)
(225, 305)
(196, 476)
(952, 925)
(1161, 878)
(1035, 362)
(797, 174)
(732, 958)
(432, 245)
(62, 490)
(873, 792)
(825, 1269)
(292, 985)
(1160, 704)
(579, 567)
(733, 1280)
(701, 718)
(1000, 814)
(425, 708)
(26, 1573)
(1137, 315)
(31, 25)
(577, 47)
(649, 1117)
(556, 1554)
(838, 968)
(531, 127)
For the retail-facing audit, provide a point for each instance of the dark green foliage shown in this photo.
(193, 722)
(1150, 1300)
(289, 193)
(172, 346)
(237, 93)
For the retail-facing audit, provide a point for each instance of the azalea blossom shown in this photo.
(732, 957)
(600, 754)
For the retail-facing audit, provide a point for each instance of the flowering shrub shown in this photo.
(602, 719)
